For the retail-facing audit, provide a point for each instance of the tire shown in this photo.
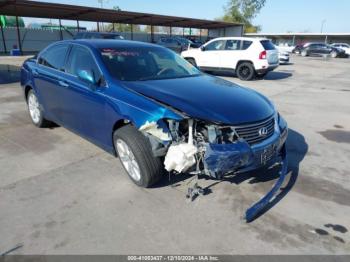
(35, 110)
(303, 53)
(334, 54)
(245, 71)
(135, 154)
(192, 61)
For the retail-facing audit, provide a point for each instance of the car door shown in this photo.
(325, 49)
(314, 49)
(84, 109)
(210, 54)
(231, 53)
(174, 45)
(48, 80)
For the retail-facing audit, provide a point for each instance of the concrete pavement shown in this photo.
(59, 194)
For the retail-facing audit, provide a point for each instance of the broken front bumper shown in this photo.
(239, 157)
(259, 206)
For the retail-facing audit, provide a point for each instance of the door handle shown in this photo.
(62, 83)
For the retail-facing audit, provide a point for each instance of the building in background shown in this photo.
(293, 39)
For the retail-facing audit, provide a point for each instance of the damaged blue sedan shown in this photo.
(154, 110)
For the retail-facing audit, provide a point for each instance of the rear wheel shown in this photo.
(135, 154)
(35, 111)
(245, 71)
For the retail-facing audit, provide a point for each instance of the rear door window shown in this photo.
(54, 57)
(268, 45)
(233, 45)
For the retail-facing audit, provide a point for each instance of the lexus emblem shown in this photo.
(263, 131)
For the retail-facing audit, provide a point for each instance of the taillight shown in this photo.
(262, 55)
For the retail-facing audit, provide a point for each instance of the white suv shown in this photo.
(344, 46)
(247, 57)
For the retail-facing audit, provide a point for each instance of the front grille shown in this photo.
(251, 134)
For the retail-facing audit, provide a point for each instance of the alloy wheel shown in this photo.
(128, 160)
(34, 108)
(244, 71)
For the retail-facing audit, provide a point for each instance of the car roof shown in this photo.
(241, 38)
(99, 33)
(110, 43)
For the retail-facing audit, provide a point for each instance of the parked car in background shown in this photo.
(196, 42)
(98, 35)
(155, 111)
(297, 49)
(285, 48)
(177, 44)
(319, 49)
(283, 57)
(344, 46)
(247, 57)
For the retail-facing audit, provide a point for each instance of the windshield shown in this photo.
(146, 63)
(185, 41)
(112, 36)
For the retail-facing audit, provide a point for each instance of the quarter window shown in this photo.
(246, 44)
(268, 45)
(80, 58)
(54, 57)
(215, 46)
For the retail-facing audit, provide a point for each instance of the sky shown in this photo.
(277, 16)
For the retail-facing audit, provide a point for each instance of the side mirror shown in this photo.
(202, 48)
(87, 76)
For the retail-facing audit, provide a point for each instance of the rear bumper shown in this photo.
(284, 59)
(266, 70)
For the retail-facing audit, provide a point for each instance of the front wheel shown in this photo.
(303, 53)
(35, 111)
(135, 154)
(245, 71)
(334, 54)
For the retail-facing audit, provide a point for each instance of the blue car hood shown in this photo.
(207, 98)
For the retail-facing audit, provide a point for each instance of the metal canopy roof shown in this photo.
(72, 12)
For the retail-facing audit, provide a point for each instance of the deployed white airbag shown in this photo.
(180, 157)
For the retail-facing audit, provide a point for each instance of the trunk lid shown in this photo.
(271, 51)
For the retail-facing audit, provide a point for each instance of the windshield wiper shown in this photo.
(147, 78)
(163, 78)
